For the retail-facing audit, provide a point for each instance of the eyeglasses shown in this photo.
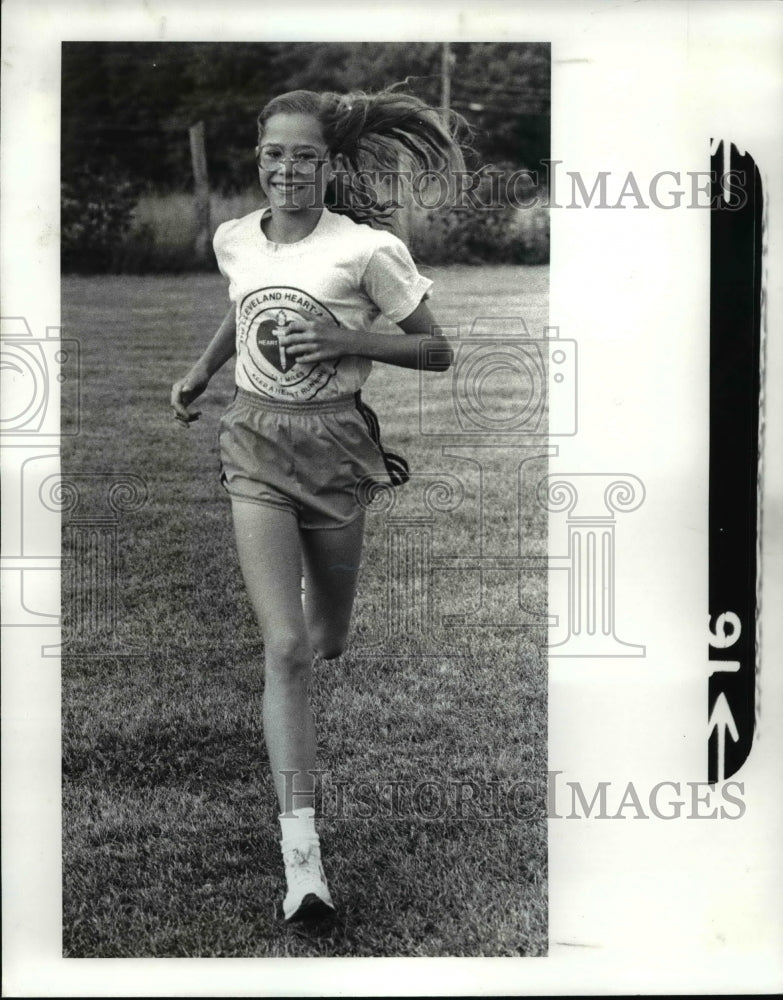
(304, 161)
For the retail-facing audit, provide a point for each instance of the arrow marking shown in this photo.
(723, 666)
(721, 719)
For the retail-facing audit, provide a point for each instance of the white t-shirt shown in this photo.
(343, 272)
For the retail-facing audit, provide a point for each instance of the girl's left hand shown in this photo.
(311, 342)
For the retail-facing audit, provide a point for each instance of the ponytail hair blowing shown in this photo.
(383, 131)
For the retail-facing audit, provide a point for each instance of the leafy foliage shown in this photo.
(96, 216)
(472, 236)
(127, 107)
(136, 100)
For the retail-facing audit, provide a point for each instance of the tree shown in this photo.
(129, 104)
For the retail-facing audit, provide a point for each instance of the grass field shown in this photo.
(169, 825)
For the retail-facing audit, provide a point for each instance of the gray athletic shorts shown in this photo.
(307, 458)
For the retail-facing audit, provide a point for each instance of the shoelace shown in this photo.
(302, 865)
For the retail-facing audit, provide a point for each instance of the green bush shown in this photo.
(96, 215)
(163, 234)
(480, 236)
(108, 227)
(487, 229)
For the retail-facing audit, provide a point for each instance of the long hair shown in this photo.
(372, 132)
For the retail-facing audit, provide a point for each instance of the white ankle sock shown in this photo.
(298, 826)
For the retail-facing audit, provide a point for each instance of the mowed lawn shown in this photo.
(169, 820)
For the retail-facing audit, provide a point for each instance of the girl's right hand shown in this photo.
(184, 392)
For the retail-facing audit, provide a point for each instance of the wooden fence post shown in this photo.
(200, 190)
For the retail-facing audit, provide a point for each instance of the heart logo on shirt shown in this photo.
(268, 342)
(264, 317)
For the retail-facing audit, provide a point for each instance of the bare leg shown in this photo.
(331, 565)
(270, 556)
(270, 549)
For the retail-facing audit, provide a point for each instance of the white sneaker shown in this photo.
(308, 895)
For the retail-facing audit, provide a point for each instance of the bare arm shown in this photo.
(218, 352)
(421, 348)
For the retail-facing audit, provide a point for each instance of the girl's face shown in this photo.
(294, 166)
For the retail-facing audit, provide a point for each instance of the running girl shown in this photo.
(306, 280)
